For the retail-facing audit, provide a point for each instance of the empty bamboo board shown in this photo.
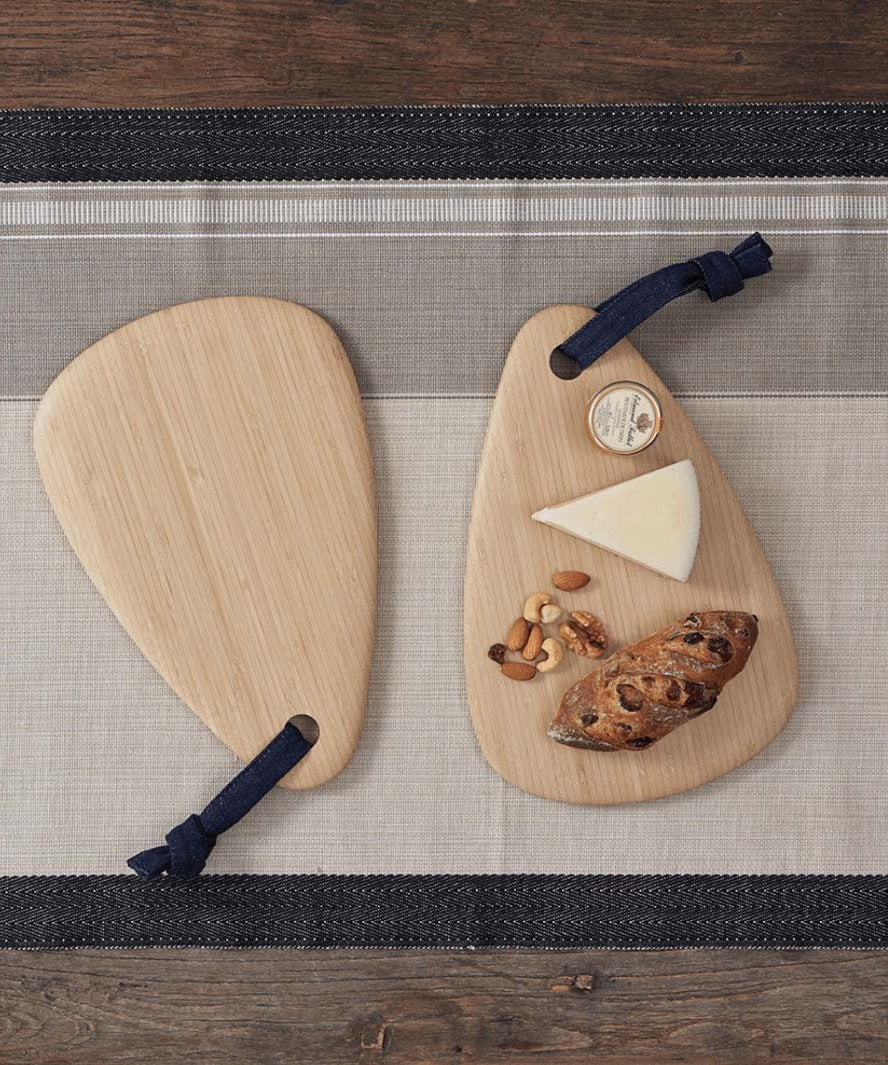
(211, 468)
(536, 453)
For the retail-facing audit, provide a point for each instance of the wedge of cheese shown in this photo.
(653, 519)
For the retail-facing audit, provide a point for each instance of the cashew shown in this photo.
(533, 605)
(554, 653)
(549, 613)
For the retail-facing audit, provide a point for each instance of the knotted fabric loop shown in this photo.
(721, 275)
(718, 273)
(189, 844)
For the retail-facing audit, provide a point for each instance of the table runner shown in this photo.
(426, 275)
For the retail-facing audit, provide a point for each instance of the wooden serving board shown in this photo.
(536, 453)
(211, 468)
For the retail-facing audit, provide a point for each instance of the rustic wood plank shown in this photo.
(416, 1007)
(272, 52)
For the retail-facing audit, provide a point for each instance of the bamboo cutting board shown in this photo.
(210, 466)
(536, 453)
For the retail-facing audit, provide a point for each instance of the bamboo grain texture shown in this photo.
(211, 468)
(536, 453)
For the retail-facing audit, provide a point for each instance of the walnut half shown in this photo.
(584, 634)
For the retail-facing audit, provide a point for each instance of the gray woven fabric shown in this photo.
(98, 758)
(427, 283)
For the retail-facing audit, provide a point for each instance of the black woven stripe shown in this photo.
(555, 912)
(788, 140)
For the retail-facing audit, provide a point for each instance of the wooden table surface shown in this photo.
(160, 53)
(265, 1007)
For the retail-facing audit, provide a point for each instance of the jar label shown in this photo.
(624, 418)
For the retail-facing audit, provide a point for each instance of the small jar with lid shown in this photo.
(623, 418)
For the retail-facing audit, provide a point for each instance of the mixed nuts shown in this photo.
(584, 634)
(518, 634)
(497, 653)
(570, 580)
(554, 652)
(534, 645)
(519, 670)
(581, 632)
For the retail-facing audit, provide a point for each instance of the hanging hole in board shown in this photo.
(563, 366)
(308, 727)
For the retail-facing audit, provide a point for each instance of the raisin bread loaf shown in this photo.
(648, 689)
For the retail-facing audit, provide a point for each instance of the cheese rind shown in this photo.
(653, 519)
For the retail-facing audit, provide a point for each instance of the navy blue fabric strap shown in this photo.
(188, 845)
(720, 274)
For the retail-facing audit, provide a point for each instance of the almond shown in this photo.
(518, 670)
(518, 634)
(534, 643)
(570, 580)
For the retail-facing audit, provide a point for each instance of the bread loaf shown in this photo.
(640, 694)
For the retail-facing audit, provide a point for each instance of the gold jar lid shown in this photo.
(623, 418)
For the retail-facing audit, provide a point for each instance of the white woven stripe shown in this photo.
(99, 759)
(278, 208)
(372, 185)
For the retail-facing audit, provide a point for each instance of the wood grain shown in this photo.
(211, 468)
(535, 454)
(419, 1008)
(271, 52)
